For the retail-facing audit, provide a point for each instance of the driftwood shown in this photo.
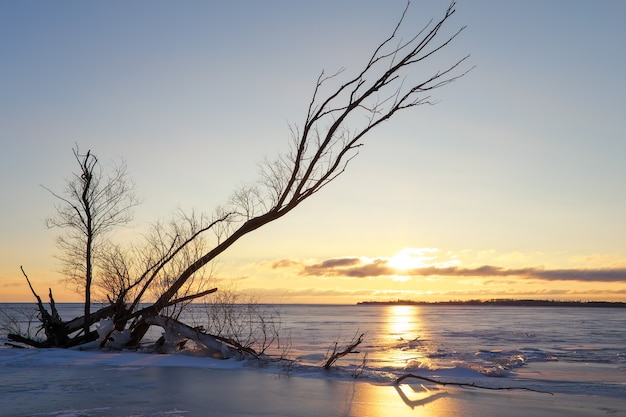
(218, 347)
(339, 354)
(468, 385)
(57, 331)
(67, 334)
(13, 345)
(25, 340)
(78, 322)
(51, 323)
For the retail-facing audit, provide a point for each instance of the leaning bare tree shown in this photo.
(340, 114)
(91, 206)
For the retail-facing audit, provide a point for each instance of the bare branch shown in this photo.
(349, 348)
(470, 385)
(169, 269)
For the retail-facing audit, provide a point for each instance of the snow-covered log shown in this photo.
(176, 330)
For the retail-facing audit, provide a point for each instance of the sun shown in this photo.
(411, 258)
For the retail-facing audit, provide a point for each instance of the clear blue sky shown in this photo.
(520, 165)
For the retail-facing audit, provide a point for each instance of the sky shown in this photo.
(512, 186)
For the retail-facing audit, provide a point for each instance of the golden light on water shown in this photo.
(402, 321)
(405, 332)
(406, 400)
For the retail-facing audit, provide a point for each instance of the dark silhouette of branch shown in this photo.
(469, 385)
(335, 355)
(340, 114)
(327, 141)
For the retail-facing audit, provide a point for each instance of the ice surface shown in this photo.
(55, 383)
(537, 349)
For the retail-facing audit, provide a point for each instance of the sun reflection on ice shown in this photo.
(406, 335)
(405, 400)
(403, 321)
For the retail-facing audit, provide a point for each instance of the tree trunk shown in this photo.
(216, 348)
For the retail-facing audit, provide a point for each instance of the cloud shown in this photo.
(284, 263)
(339, 262)
(596, 275)
(354, 267)
(603, 275)
(229, 279)
(349, 267)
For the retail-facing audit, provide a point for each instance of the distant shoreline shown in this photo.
(502, 302)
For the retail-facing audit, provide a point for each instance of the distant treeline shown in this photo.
(502, 302)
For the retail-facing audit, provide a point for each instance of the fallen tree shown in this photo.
(150, 284)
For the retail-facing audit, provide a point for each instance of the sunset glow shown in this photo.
(509, 187)
(409, 258)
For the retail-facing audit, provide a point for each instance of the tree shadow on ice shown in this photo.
(419, 397)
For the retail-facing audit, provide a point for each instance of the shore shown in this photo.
(98, 384)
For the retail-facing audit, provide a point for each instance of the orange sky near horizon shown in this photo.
(418, 274)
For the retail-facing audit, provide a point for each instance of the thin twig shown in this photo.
(461, 384)
(347, 350)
